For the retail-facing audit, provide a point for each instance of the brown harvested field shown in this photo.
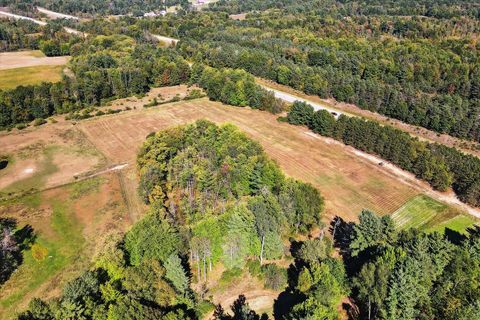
(348, 182)
(20, 59)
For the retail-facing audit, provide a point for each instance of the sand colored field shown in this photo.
(12, 78)
(20, 59)
(348, 183)
(46, 157)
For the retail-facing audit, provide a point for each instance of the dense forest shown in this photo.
(440, 166)
(419, 71)
(95, 8)
(24, 34)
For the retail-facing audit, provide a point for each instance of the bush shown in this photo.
(39, 122)
(21, 126)
(254, 268)
(194, 94)
(275, 277)
(301, 113)
(152, 103)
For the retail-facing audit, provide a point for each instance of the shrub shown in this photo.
(39, 122)
(275, 277)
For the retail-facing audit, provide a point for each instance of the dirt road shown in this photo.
(42, 23)
(290, 98)
(56, 15)
(166, 40)
(289, 94)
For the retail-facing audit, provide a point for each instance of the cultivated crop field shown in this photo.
(425, 213)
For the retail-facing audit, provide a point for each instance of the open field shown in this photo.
(71, 223)
(45, 157)
(348, 182)
(32, 58)
(12, 78)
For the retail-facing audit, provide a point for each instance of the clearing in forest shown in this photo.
(29, 68)
(30, 58)
(12, 78)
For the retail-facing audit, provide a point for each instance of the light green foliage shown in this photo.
(144, 239)
(315, 250)
(372, 230)
(273, 246)
(241, 239)
(176, 274)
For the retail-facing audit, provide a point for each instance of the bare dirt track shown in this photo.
(20, 59)
(348, 183)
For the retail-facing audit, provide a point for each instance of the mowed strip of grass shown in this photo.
(427, 214)
(12, 78)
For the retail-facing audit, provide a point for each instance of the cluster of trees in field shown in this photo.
(441, 166)
(235, 87)
(10, 256)
(12, 243)
(220, 189)
(52, 39)
(214, 197)
(410, 274)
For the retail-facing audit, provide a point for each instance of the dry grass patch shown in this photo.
(12, 78)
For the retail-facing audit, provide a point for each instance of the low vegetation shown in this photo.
(12, 78)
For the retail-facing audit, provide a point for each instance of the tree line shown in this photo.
(441, 166)
(117, 66)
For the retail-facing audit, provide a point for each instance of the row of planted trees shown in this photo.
(441, 166)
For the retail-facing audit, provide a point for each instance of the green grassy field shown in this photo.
(57, 247)
(427, 214)
(11, 78)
